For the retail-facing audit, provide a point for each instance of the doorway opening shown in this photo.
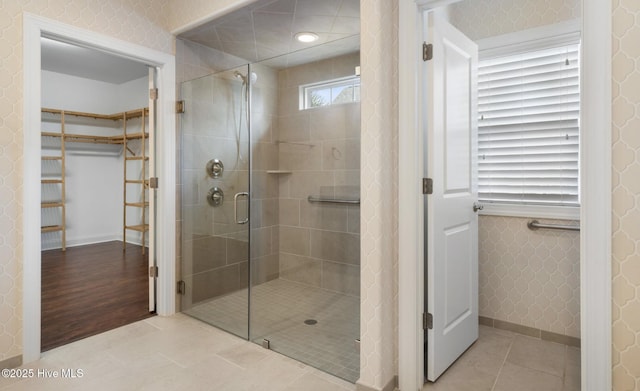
(524, 159)
(95, 164)
(593, 272)
(525, 144)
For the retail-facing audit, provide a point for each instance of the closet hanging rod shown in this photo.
(334, 200)
(535, 224)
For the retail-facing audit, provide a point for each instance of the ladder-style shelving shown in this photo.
(61, 204)
(129, 156)
(142, 181)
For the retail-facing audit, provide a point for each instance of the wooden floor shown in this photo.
(91, 289)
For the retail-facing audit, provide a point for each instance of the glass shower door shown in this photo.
(261, 257)
(215, 188)
(305, 233)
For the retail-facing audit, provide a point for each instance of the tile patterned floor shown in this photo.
(504, 361)
(279, 309)
(182, 353)
(172, 353)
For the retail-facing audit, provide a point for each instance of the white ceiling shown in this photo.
(266, 29)
(92, 64)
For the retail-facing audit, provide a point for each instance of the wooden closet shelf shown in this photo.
(52, 204)
(138, 181)
(51, 228)
(112, 117)
(86, 138)
(52, 181)
(137, 158)
(139, 228)
(81, 114)
(133, 136)
(51, 157)
(137, 204)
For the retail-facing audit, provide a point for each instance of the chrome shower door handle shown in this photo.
(235, 207)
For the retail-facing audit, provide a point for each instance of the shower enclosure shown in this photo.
(270, 206)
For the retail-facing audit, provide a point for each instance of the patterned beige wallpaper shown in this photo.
(379, 253)
(531, 278)
(141, 21)
(626, 195)
(497, 17)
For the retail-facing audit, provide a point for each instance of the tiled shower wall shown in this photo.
(265, 241)
(192, 61)
(214, 249)
(319, 155)
(527, 278)
(295, 154)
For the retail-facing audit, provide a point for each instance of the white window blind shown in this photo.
(528, 130)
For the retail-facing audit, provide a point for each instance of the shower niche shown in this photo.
(274, 125)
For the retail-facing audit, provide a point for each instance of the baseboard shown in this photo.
(55, 244)
(530, 331)
(12, 362)
(390, 386)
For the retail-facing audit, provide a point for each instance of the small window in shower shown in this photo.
(330, 92)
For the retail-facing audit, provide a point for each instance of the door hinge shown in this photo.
(427, 321)
(153, 93)
(153, 182)
(427, 186)
(182, 287)
(180, 107)
(153, 271)
(427, 51)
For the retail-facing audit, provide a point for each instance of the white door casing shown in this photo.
(452, 223)
(152, 192)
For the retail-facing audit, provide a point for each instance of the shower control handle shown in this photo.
(215, 197)
(235, 207)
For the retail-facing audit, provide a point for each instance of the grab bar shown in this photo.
(333, 200)
(535, 224)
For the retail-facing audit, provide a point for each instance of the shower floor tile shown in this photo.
(279, 310)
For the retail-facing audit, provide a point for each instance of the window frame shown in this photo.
(518, 42)
(352, 80)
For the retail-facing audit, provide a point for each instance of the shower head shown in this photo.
(242, 77)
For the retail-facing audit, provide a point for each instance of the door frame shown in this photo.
(595, 189)
(33, 28)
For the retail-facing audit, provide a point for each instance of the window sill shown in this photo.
(531, 211)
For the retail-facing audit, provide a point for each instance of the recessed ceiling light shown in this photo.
(306, 37)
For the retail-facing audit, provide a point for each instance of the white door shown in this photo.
(152, 192)
(452, 223)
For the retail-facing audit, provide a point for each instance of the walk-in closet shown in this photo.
(96, 160)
